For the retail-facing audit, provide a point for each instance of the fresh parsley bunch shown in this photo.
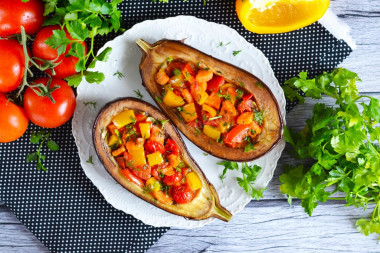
(84, 20)
(338, 147)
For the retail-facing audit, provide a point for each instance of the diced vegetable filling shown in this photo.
(149, 158)
(218, 108)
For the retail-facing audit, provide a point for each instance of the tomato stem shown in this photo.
(27, 59)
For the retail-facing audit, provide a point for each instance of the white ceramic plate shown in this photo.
(125, 58)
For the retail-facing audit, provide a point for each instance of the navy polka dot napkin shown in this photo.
(63, 209)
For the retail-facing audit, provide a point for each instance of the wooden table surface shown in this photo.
(271, 225)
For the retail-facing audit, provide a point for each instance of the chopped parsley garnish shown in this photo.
(90, 103)
(236, 52)
(118, 74)
(138, 93)
(258, 117)
(89, 160)
(169, 59)
(176, 72)
(158, 99)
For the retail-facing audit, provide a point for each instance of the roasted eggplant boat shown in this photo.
(222, 109)
(146, 155)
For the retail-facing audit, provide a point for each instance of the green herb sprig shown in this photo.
(343, 144)
(40, 138)
(249, 173)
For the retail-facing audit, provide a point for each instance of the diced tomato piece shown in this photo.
(167, 170)
(137, 181)
(182, 194)
(154, 172)
(214, 84)
(185, 171)
(196, 124)
(162, 197)
(140, 117)
(245, 106)
(177, 92)
(156, 134)
(172, 147)
(247, 96)
(173, 179)
(175, 64)
(120, 161)
(236, 135)
(189, 69)
(153, 146)
(213, 100)
(143, 172)
(187, 96)
(227, 109)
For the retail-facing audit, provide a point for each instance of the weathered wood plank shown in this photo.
(363, 17)
(273, 226)
(15, 237)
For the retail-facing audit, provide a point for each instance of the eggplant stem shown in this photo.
(222, 213)
(143, 45)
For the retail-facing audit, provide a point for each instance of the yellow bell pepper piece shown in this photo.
(189, 113)
(209, 109)
(202, 98)
(153, 184)
(145, 130)
(138, 156)
(155, 158)
(124, 118)
(171, 99)
(193, 181)
(113, 140)
(211, 132)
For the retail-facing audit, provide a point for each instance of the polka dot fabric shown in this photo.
(64, 210)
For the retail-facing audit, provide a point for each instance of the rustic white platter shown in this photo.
(125, 58)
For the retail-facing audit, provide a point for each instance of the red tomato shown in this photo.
(189, 69)
(214, 84)
(173, 179)
(41, 50)
(154, 172)
(13, 120)
(236, 135)
(12, 65)
(153, 146)
(42, 112)
(172, 148)
(182, 194)
(142, 172)
(15, 13)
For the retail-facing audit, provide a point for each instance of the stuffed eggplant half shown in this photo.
(224, 110)
(144, 152)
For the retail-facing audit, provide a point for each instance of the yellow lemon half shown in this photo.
(279, 16)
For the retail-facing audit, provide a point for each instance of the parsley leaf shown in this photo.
(40, 138)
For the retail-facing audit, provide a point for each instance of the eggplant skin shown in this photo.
(156, 54)
(206, 203)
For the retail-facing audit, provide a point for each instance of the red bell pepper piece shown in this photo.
(214, 84)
